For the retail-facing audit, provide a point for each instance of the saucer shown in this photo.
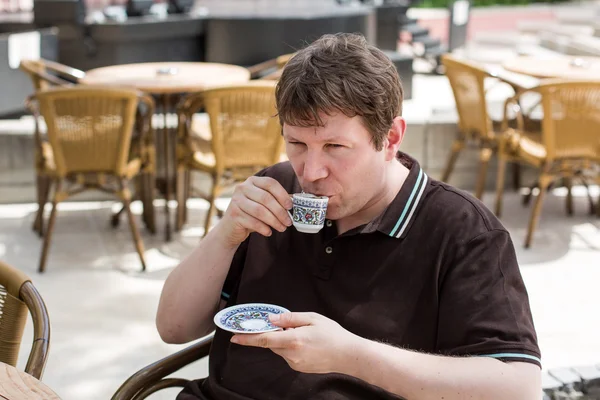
(248, 318)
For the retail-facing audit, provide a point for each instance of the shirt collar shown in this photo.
(396, 219)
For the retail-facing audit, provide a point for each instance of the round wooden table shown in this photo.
(18, 385)
(567, 67)
(167, 81)
(168, 77)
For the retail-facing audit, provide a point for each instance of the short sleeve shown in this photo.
(483, 303)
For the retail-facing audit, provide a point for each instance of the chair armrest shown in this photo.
(53, 79)
(41, 330)
(154, 373)
(72, 74)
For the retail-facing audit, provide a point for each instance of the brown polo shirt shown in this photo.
(436, 272)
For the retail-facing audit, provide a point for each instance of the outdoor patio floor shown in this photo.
(102, 307)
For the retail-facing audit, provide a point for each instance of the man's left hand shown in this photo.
(309, 343)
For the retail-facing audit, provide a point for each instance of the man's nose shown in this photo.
(314, 168)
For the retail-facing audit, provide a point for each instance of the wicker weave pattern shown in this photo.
(13, 315)
(467, 82)
(572, 126)
(245, 130)
(18, 299)
(89, 128)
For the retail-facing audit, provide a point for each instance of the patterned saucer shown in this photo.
(248, 318)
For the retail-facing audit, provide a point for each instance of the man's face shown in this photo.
(338, 160)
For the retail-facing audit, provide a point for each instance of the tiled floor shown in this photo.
(102, 307)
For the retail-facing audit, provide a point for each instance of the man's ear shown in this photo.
(394, 138)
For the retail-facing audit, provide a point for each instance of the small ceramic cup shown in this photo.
(308, 212)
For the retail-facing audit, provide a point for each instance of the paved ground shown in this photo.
(102, 308)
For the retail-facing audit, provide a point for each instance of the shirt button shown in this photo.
(328, 250)
(329, 223)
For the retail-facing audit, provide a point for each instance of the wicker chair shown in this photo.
(45, 74)
(569, 145)
(246, 137)
(475, 126)
(90, 131)
(155, 376)
(17, 296)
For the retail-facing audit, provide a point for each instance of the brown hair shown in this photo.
(340, 72)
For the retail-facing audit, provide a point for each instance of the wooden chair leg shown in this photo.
(569, 199)
(181, 199)
(58, 195)
(43, 184)
(212, 208)
(500, 184)
(126, 199)
(544, 181)
(40, 210)
(187, 191)
(146, 195)
(457, 146)
(142, 191)
(484, 160)
(149, 180)
(516, 171)
(597, 207)
(589, 195)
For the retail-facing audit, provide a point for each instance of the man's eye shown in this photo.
(335, 146)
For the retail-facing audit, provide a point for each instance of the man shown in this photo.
(411, 290)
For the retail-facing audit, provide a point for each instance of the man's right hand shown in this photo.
(259, 204)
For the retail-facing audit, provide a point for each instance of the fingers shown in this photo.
(266, 208)
(293, 319)
(248, 222)
(258, 205)
(265, 200)
(277, 191)
(270, 340)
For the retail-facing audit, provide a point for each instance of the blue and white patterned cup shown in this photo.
(308, 212)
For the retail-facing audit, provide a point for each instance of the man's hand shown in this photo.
(259, 204)
(310, 343)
